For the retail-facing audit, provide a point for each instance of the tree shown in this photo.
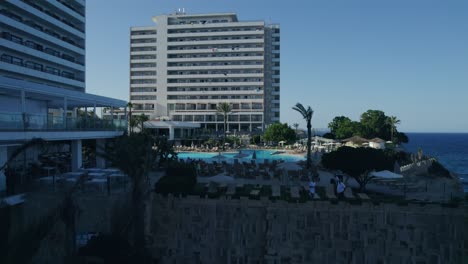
(374, 124)
(224, 109)
(401, 137)
(307, 114)
(279, 132)
(296, 126)
(343, 127)
(358, 162)
(329, 135)
(134, 155)
(393, 121)
(139, 121)
(164, 151)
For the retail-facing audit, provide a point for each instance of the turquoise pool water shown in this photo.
(248, 153)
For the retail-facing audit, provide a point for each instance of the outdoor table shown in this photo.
(75, 174)
(48, 169)
(98, 182)
(117, 175)
(92, 170)
(111, 170)
(97, 174)
(48, 178)
(255, 192)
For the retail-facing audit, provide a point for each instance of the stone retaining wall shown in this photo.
(198, 230)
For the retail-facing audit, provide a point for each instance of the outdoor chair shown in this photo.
(330, 191)
(348, 193)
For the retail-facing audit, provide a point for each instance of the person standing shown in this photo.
(312, 185)
(340, 187)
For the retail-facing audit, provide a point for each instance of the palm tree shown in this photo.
(307, 114)
(140, 120)
(296, 126)
(393, 121)
(134, 155)
(224, 109)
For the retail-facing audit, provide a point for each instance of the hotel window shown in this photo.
(52, 52)
(52, 70)
(16, 39)
(17, 61)
(68, 75)
(6, 58)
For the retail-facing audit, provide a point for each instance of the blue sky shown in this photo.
(408, 58)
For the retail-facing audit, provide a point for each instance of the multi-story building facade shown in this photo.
(42, 79)
(185, 65)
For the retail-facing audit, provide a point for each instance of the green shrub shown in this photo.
(438, 170)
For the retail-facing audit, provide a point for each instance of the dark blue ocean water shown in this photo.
(450, 149)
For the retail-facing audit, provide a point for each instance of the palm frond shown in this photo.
(224, 108)
(21, 149)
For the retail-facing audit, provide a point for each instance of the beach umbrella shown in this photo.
(385, 174)
(254, 155)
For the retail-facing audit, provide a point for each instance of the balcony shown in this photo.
(216, 67)
(216, 34)
(46, 35)
(42, 122)
(33, 49)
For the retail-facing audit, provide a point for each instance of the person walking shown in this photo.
(312, 186)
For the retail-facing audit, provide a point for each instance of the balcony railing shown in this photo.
(34, 122)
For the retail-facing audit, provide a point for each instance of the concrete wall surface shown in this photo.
(198, 230)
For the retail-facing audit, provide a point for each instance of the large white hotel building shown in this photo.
(182, 67)
(42, 81)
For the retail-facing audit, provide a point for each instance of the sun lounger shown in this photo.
(231, 189)
(295, 192)
(212, 188)
(363, 196)
(275, 191)
(348, 194)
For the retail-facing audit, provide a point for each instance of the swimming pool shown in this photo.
(246, 155)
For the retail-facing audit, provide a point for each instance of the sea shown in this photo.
(450, 149)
